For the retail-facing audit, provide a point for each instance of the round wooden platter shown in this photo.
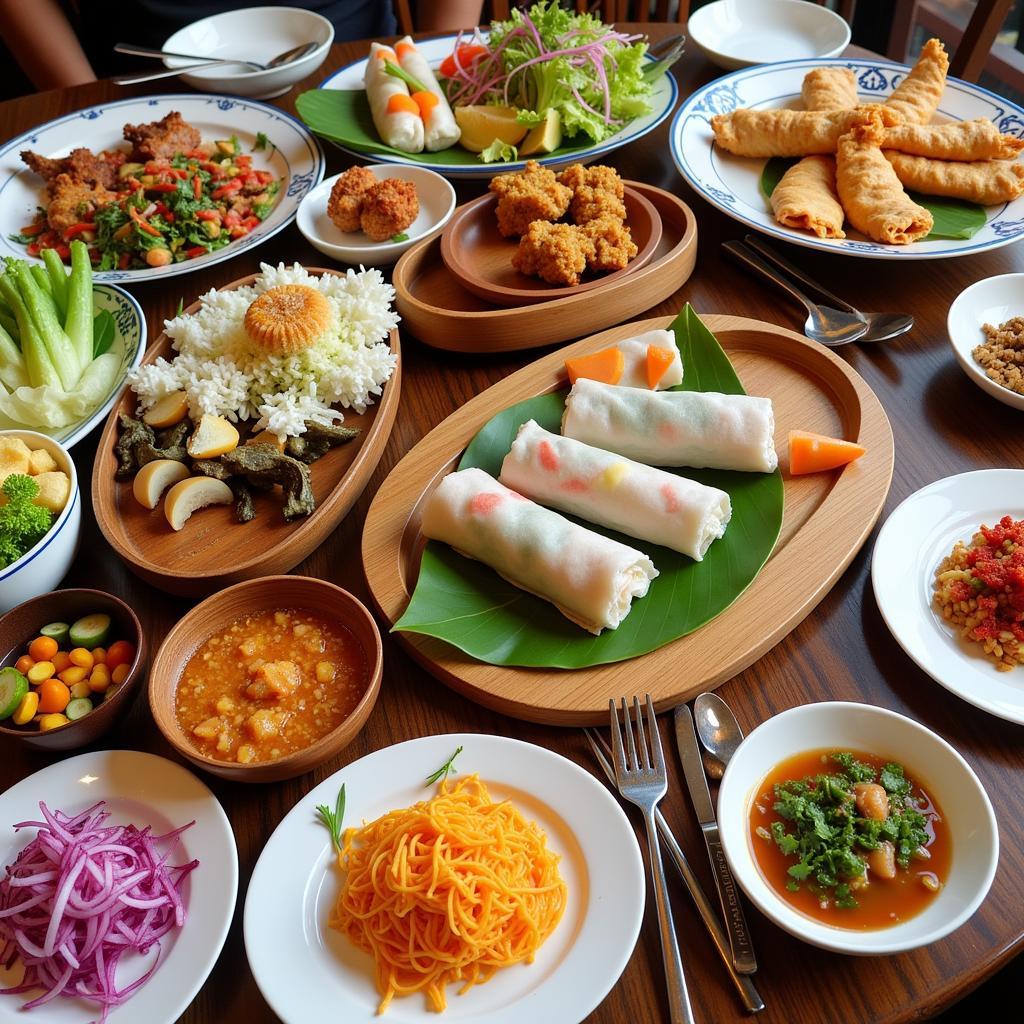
(213, 549)
(827, 518)
(480, 257)
(442, 313)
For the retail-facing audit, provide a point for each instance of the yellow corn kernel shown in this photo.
(40, 672)
(54, 721)
(81, 689)
(99, 655)
(100, 678)
(73, 675)
(26, 709)
(82, 658)
(612, 476)
(120, 673)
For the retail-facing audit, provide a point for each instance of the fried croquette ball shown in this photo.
(613, 245)
(556, 253)
(531, 195)
(345, 202)
(589, 203)
(389, 207)
(605, 178)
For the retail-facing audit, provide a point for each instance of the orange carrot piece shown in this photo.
(425, 102)
(385, 54)
(403, 48)
(658, 361)
(402, 102)
(606, 365)
(813, 453)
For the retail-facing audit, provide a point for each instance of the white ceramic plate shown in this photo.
(308, 972)
(915, 538)
(437, 203)
(992, 300)
(732, 183)
(146, 790)
(663, 100)
(296, 157)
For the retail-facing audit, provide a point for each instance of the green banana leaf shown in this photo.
(471, 607)
(954, 218)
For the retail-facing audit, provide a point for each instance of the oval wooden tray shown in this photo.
(440, 312)
(214, 550)
(827, 518)
(480, 257)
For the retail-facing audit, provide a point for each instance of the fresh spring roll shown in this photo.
(589, 578)
(396, 115)
(607, 489)
(634, 352)
(439, 128)
(674, 428)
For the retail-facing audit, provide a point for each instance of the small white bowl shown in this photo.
(991, 301)
(253, 33)
(929, 759)
(39, 570)
(437, 204)
(741, 33)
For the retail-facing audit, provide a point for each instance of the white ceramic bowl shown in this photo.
(740, 33)
(993, 300)
(437, 204)
(253, 33)
(40, 570)
(862, 727)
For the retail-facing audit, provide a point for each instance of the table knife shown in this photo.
(696, 782)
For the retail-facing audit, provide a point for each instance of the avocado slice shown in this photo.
(545, 137)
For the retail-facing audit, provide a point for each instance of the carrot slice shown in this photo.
(813, 453)
(658, 361)
(402, 102)
(425, 102)
(385, 54)
(403, 48)
(606, 365)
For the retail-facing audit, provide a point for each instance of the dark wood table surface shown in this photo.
(943, 424)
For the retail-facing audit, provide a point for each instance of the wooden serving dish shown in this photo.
(214, 550)
(827, 518)
(480, 257)
(442, 313)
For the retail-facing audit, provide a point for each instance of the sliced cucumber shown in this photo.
(90, 631)
(78, 708)
(13, 686)
(59, 631)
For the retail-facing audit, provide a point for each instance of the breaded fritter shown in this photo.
(589, 203)
(346, 201)
(82, 165)
(389, 207)
(531, 195)
(556, 253)
(163, 139)
(613, 245)
(600, 176)
(70, 200)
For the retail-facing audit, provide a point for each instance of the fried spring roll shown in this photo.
(396, 115)
(439, 128)
(871, 193)
(979, 139)
(829, 88)
(917, 96)
(768, 133)
(986, 182)
(806, 198)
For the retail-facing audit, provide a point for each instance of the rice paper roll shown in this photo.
(396, 116)
(634, 352)
(440, 130)
(589, 578)
(612, 491)
(702, 429)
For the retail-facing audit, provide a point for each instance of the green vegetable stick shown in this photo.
(78, 322)
(58, 282)
(8, 323)
(43, 314)
(38, 364)
(12, 366)
(39, 273)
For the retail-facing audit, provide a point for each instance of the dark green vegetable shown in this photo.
(22, 523)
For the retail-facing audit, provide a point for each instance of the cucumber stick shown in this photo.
(78, 323)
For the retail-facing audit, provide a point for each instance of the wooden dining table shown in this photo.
(943, 424)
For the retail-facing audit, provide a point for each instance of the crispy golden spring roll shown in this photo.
(806, 198)
(870, 192)
(979, 139)
(829, 88)
(986, 182)
(917, 96)
(768, 133)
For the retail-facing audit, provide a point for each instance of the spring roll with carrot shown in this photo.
(917, 96)
(979, 139)
(439, 128)
(806, 198)
(986, 182)
(396, 115)
(829, 88)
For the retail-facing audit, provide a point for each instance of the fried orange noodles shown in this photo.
(447, 891)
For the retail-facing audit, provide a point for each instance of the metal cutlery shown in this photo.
(294, 54)
(717, 730)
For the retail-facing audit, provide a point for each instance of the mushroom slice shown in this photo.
(195, 492)
(154, 478)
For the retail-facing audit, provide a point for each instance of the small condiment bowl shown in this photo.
(928, 760)
(42, 568)
(268, 593)
(993, 300)
(437, 203)
(21, 625)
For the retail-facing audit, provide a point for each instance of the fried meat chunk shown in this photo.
(613, 244)
(81, 165)
(389, 207)
(601, 177)
(531, 195)
(70, 200)
(590, 203)
(163, 139)
(556, 253)
(346, 199)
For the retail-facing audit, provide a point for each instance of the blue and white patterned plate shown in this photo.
(295, 157)
(732, 183)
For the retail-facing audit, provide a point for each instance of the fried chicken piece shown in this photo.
(556, 253)
(531, 195)
(589, 203)
(162, 139)
(606, 178)
(82, 165)
(613, 244)
(70, 200)
(389, 207)
(346, 200)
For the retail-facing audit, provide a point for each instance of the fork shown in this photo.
(644, 784)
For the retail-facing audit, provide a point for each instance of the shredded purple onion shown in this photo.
(80, 896)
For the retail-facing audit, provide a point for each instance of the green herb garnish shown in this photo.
(442, 773)
(402, 236)
(261, 142)
(332, 819)
(397, 71)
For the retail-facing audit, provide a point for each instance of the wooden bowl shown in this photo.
(21, 625)
(217, 612)
(480, 257)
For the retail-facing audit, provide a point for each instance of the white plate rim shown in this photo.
(211, 902)
(498, 759)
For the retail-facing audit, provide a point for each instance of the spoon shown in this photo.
(718, 730)
(881, 326)
(831, 327)
(294, 54)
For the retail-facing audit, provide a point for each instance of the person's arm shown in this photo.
(448, 15)
(42, 41)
